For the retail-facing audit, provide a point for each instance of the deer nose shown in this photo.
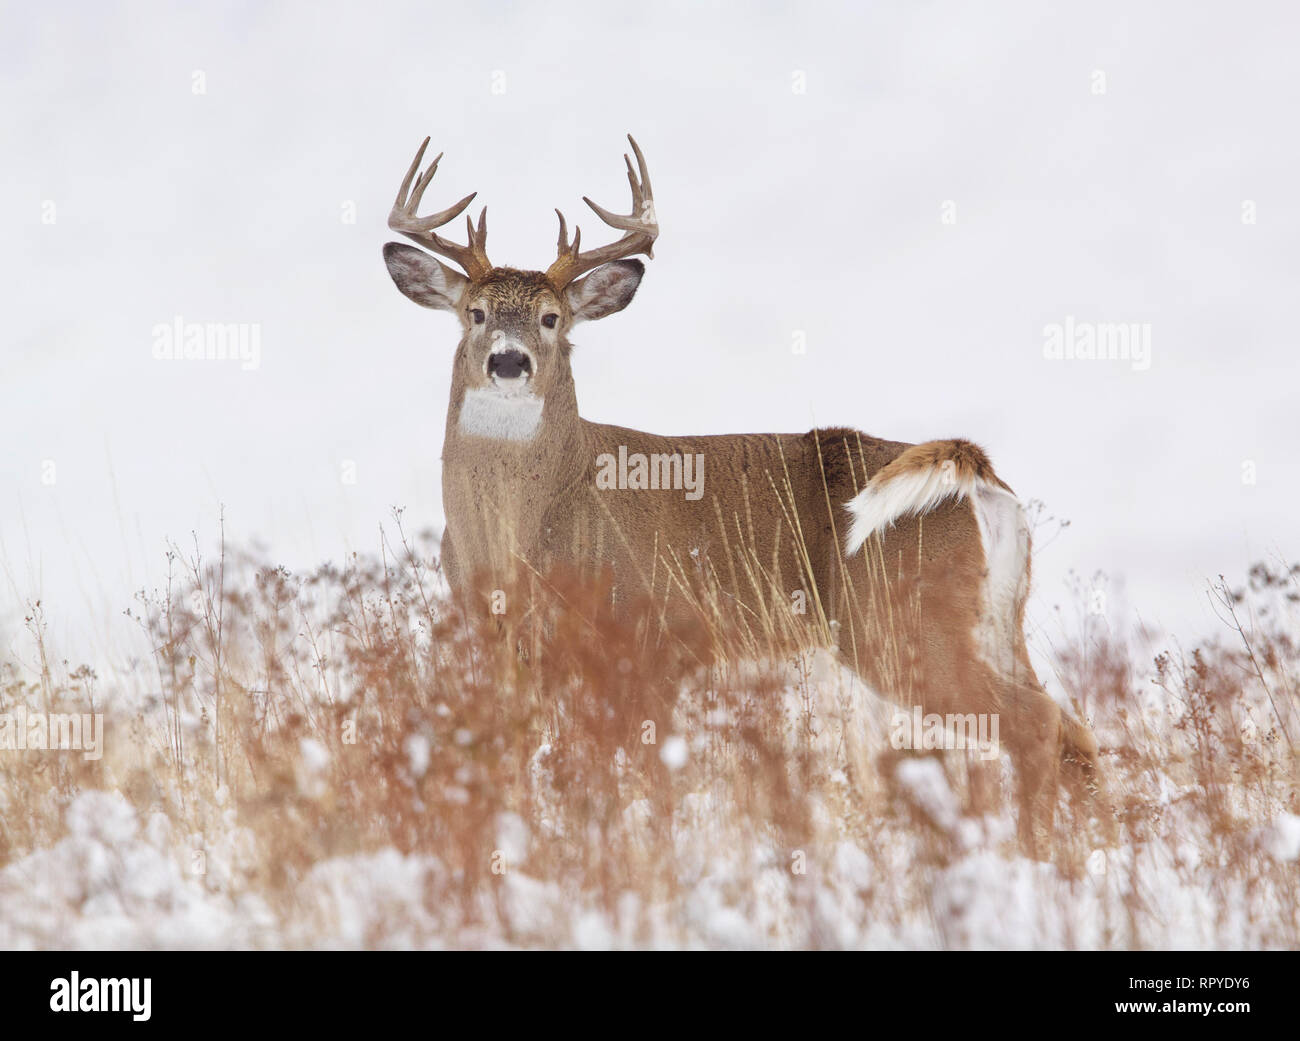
(509, 364)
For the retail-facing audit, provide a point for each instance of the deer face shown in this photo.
(515, 346)
(514, 339)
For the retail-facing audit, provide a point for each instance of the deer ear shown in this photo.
(424, 278)
(606, 290)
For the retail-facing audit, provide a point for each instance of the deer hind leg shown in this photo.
(952, 679)
(1030, 721)
(1033, 737)
(1025, 723)
(1036, 728)
(932, 666)
(966, 641)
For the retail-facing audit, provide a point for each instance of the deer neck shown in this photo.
(504, 462)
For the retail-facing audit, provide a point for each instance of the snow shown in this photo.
(674, 753)
(1281, 839)
(111, 884)
(417, 755)
(926, 787)
(919, 872)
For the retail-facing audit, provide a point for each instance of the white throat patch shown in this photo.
(489, 413)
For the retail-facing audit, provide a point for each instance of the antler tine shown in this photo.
(641, 191)
(641, 227)
(402, 219)
(410, 174)
(640, 161)
(479, 236)
(423, 183)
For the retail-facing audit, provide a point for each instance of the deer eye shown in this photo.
(478, 316)
(549, 320)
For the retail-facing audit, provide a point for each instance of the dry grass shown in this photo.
(345, 758)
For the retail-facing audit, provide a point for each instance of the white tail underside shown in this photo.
(879, 507)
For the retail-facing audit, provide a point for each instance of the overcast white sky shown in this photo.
(821, 212)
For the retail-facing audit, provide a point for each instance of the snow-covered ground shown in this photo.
(119, 881)
(383, 777)
(925, 875)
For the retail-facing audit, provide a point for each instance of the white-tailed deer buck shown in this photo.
(915, 558)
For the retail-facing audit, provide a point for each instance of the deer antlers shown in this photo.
(473, 257)
(640, 227)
